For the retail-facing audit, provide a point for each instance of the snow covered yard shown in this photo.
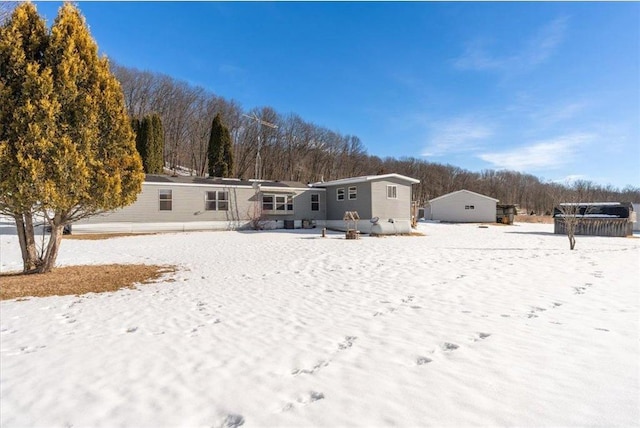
(497, 326)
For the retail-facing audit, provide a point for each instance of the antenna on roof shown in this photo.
(259, 121)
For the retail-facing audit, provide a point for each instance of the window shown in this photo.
(469, 207)
(217, 201)
(315, 202)
(281, 203)
(166, 201)
(267, 202)
(392, 192)
(340, 194)
(353, 193)
(277, 204)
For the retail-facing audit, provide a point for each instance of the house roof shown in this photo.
(217, 181)
(463, 191)
(363, 179)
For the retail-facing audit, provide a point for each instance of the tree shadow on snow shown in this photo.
(535, 233)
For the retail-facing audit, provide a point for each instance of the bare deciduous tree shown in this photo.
(571, 205)
(303, 151)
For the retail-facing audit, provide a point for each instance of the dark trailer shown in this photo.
(596, 218)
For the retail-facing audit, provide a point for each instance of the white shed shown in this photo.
(463, 206)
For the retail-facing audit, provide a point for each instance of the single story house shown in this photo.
(462, 206)
(168, 203)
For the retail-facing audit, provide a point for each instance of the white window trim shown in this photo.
(344, 195)
(317, 202)
(275, 202)
(160, 200)
(395, 191)
(217, 200)
(352, 191)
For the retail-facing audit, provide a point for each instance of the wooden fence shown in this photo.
(597, 227)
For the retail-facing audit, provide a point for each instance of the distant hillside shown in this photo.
(303, 151)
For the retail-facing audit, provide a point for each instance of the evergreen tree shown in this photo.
(28, 109)
(150, 142)
(135, 126)
(67, 149)
(220, 153)
(145, 133)
(155, 149)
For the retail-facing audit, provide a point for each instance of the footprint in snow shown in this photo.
(347, 343)
(449, 347)
(423, 360)
(304, 400)
(409, 299)
(66, 318)
(318, 366)
(310, 397)
(579, 290)
(480, 336)
(233, 421)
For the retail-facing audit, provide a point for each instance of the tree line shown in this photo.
(299, 150)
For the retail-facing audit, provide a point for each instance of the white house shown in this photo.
(462, 206)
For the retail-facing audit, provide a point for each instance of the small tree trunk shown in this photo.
(53, 246)
(24, 226)
(572, 242)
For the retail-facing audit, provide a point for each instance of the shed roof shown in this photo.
(463, 191)
(364, 178)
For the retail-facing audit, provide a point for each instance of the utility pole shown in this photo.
(259, 121)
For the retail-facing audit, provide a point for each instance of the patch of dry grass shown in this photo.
(74, 280)
(547, 219)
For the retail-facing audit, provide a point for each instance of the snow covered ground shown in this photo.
(466, 326)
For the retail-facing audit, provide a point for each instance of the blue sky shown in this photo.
(550, 89)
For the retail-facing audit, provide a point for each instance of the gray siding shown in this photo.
(301, 205)
(385, 208)
(188, 204)
(362, 203)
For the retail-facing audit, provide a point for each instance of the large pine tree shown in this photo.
(67, 150)
(220, 153)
